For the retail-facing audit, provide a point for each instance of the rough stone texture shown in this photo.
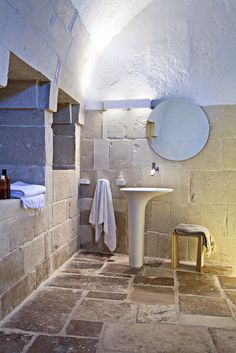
(106, 295)
(34, 253)
(118, 75)
(232, 296)
(64, 152)
(120, 269)
(154, 281)
(198, 284)
(204, 306)
(51, 344)
(89, 283)
(224, 340)
(32, 38)
(84, 328)
(156, 313)
(92, 128)
(122, 232)
(152, 295)
(16, 294)
(60, 212)
(11, 270)
(228, 154)
(227, 282)
(195, 181)
(86, 158)
(117, 126)
(158, 338)
(102, 310)
(131, 320)
(28, 142)
(47, 311)
(86, 268)
(13, 342)
(204, 185)
(91, 256)
(120, 154)
(101, 154)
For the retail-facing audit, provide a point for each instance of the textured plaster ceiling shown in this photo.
(162, 48)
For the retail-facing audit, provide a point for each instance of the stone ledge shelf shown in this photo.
(84, 182)
(9, 208)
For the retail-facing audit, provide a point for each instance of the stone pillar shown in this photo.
(66, 136)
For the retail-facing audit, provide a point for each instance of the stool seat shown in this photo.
(175, 249)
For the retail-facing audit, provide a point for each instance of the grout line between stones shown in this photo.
(70, 316)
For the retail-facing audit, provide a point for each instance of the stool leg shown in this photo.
(175, 251)
(200, 254)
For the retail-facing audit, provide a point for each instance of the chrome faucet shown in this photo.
(155, 169)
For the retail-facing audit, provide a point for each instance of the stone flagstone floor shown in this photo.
(98, 304)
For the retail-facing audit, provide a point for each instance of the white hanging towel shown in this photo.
(102, 215)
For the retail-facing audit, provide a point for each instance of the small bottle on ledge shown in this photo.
(3, 188)
(8, 184)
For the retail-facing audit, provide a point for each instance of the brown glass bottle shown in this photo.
(3, 188)
(8, 183)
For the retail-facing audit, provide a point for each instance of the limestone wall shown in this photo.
(49, 36)
(204, 186)
(33, 244)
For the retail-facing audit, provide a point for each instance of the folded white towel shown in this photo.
(209, 241)
(34, 202)
(102, 215)
(20, 189)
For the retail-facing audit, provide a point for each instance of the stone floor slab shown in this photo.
(152, 294)
(152, 262)
(198, 284)
(227, 282)
(106, 295)
(84, 328)
(119, 259)
(158, 272)
(204, 306)
(50, 344)
(219, 270)
(102, 310)
(121, 275)
(91, 256)
(156, 313)
(89, 282)
(80, 267)
(13, 342)
(47, 311)
(232, 296)
(206, 321)
(121, 269)
(154, 281)
(224, 339)
(155, 338)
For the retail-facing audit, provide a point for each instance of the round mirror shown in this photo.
(177, 129)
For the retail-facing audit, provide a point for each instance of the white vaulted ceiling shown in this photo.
(162, 48)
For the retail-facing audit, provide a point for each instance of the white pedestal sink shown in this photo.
(137, 200)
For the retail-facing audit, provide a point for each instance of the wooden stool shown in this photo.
(175, 250)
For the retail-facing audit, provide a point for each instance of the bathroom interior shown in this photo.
(139, 96)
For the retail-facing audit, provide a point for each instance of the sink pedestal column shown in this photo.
(136, 222)
(138, 198)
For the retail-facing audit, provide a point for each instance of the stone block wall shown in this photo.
(33, 244)
(204, 186)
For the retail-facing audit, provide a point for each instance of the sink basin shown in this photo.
(138, 198)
